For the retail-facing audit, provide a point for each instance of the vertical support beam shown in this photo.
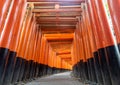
(19, 57)
(5, 8)
(25, 43)
(13, 44)
(32, 52)
(92, 37)
(112, 52)
(114, 7)
(37, 52)
(6, 36)
(100, 42)
(42, 54)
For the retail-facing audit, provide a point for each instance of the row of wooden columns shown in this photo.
(96, 51)
(24, 51)
(12, 15)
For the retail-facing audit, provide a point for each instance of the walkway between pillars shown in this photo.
(56, 79)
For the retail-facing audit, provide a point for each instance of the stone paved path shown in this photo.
(56, 79)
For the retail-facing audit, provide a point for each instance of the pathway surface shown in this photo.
(56, 79)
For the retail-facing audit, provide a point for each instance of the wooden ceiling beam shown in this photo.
(58, 29)
(48, 6)
(55, 27)
(62, 36)
(59, 35)
(63, 53)
(79, 1)
(67, 20)
(50, 32)
(62, 48)
(60, 40)
(57, 22)
(67, 59)
(56, 10)
(65, 56)
(64, 18)
(63, 14)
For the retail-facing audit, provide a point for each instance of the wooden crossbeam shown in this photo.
(62, 36)
(60, 14)
(79, 1)
(56, 10)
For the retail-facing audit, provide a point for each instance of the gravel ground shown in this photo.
(56, 79)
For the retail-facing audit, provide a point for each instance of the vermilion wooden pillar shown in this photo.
(42, 54)
(46, 57)
(6, 36)
(90, 45)
(5, 8)
(75, 57)
(13, 44)
(114, 7)
(77, 51)
(93, 40)
(29, 51)
(39, 62)
(84, 52)
(86, 49)
(32, 51)
(41, 49)
(37, 55)
(112, 52)
(100, 41)
(50, 59)
(25, 43)
(20, 57)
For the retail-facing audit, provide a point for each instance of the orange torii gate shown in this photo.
(36, 39)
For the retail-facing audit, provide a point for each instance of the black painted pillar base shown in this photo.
(49, 71)
(113, 59)
(93, 73)
(118, 47)
(40, 70)
(4, 54)
(37, 69)
(26, 72)
(86, 70)
(79, 69)
(89, 70)
(17, 69)
(53, 70)
(9, 68)
(104, 67)
(98, 68)
(31, 69)
(22, 69)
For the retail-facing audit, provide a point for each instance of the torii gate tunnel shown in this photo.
(44, 37)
